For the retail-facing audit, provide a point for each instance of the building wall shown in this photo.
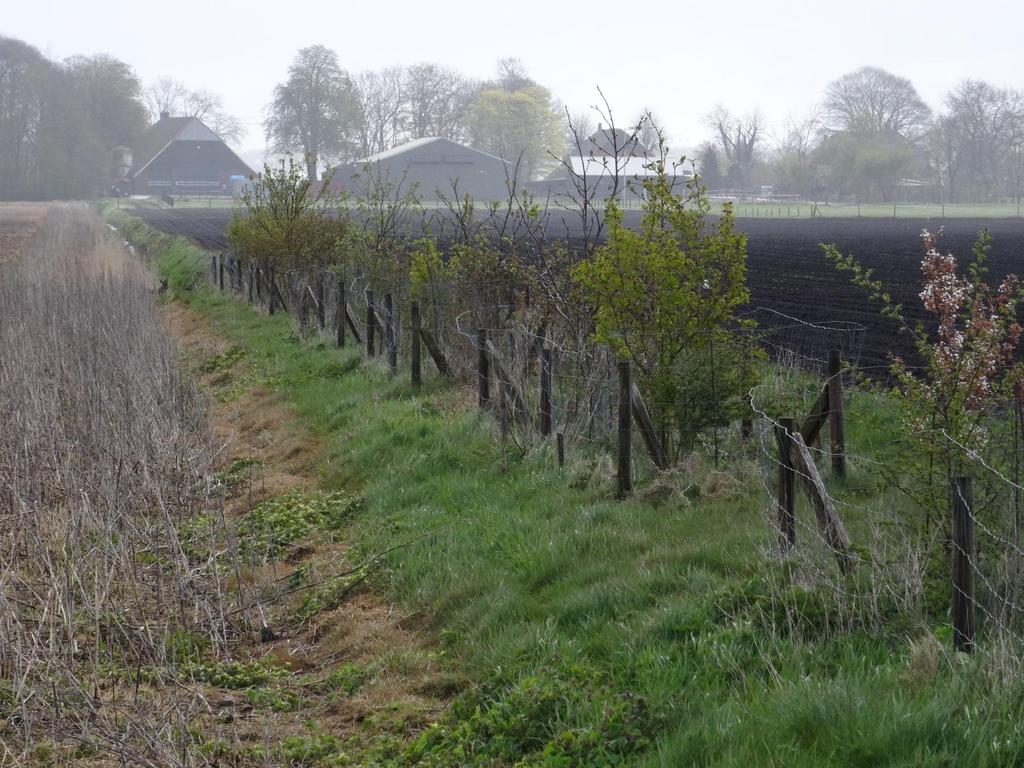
(191, 167)
(432, 168)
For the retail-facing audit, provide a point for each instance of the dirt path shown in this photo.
(402, 688)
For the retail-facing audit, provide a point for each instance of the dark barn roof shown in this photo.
(182, 149)
(604, 142)
(432, 164)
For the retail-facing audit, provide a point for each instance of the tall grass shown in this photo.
(103, 455)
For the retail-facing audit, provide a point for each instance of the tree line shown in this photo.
(329, 116)
(873, 138)
(60, 120)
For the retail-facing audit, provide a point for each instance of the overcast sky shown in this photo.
(677, 58)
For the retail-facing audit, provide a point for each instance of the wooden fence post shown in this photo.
(435, 352)
(835, 413)
(483, 369)
(371, 323)
(271, 289)
(560, 441)
(963, 570)
(390, 340)
(341, 312)
(824, 509)
(545, 391)
(787, 477)
(220, 273)
(415, 350)
(321, 311)
(213, 269)
(625, 469)
(650, 436)
(252, 283)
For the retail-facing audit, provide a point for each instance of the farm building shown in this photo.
(599, 158)
(181, 156)
(432, 165)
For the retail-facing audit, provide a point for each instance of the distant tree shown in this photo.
(793, 166)
(437, 102)
(315, 111)
(165, 95)
(382, 95)
(978, 139)
(580, 127)
(869, 166)
(58, 122)
(514, 118)
(873, 101)
(709, 167)
(738, 138)
(650, 131)
(176, 99)
(113, 94)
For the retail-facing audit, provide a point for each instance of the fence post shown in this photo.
(321, 312)
(371, 323)
(963, 571)
(389, 333)
(213, 269)
(560, 441)
(787, 477)
(252, 283)
(483, 369)
(415, 350)
(271, 289)
(835, 413)
(625, 474)
(220, 273)
(341, 310)
(545, 391)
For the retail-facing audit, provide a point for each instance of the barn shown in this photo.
(601, 157)
(433, 165)
(181, 156)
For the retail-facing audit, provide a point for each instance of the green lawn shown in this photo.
(878, 210)
(606, 633)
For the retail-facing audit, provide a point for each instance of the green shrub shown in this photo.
(269, 530)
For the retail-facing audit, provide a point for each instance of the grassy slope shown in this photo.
(603, 633)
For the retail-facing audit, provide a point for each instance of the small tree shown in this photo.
(667, 291)
(966, 365)
(289, 222)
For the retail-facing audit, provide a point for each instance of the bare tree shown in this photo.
(437, 102)
(383, 97)
(178, 100)
(873, 101)
(801, 135)
(651, 133)
(739, 138)
(979, 138)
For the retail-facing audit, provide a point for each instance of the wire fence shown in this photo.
(904, 523)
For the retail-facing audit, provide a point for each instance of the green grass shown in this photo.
(606, 633)
(877, 210)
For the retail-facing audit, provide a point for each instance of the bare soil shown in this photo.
(18, 222)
